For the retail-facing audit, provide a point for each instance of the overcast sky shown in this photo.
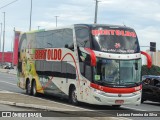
(142, 15)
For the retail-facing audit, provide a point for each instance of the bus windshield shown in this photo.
(117, 72)
(119, 40)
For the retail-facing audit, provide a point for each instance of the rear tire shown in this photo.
(28, 88)
(73, 96)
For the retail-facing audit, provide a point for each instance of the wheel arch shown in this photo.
(70, 89)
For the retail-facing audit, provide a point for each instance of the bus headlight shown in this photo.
(137, 92)
(99, 92)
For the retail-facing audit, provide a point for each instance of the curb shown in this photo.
(46, 108)
(34, 106)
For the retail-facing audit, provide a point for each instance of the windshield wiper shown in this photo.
(99, 82)
(131, 83)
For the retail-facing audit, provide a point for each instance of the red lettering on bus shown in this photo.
(54, 54)
(40, 54)
(94, 32)
(106, 32)
(127, 33)
(118, 32)
(133, 34)
(49, 54)
(36, 54)
(112, 32)
(122, 32)
(59, 54)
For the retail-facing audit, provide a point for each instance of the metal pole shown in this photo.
(30, 25)
(3, 39)
(0, 37)
(38, 27)
(156, 57)
(14, 31)
(56, 20)
(96, 10)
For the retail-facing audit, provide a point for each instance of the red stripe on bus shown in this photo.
(93, 56)
(149, 59)
(116, 90)
(49, 81)
(47, 84)
(73, 60)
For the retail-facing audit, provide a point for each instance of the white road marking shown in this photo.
(4, 91)
(8, 83)
(134, 109)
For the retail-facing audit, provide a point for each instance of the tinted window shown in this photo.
(67, 37)
(40, 41)
(115, 39)
(54, 38)
(23, 43)
(82, 36)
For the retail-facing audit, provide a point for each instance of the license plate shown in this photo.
(119, 101)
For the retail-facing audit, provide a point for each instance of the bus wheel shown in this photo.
(34, 89)
(73, 96)
(28, 88)
(142, 100)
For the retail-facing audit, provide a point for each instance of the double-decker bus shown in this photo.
(92, 63)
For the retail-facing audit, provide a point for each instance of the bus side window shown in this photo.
(82, 37)
(83, 41)
(68, 39)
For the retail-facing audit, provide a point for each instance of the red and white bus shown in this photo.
(91, 63)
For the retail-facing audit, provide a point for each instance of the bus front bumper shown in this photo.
(103, 98)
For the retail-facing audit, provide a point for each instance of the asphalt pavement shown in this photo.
(10, 94)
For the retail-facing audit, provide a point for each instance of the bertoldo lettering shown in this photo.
(48, 54)
(114, 32)
(54, 54)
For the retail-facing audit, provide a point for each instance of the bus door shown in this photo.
(83, 41)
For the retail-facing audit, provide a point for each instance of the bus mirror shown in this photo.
(149, 59)
(158, 85)
(66, 46)
(92, 56)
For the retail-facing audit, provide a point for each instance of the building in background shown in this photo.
(12, 57)
(7, 57)
(155, 57)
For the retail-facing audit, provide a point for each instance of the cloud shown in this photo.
(142, 15)
(147, 35)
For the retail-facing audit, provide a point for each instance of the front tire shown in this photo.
(73, 96)
(142, 100)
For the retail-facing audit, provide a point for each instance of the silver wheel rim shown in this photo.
(74, 96)
(34, 89)
(28, 88)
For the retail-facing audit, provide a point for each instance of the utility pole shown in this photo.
(0, 36)
(56, 20)
(3, 39)
(38, 27)
(30, 25)
(14, 31)
(96, 10)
